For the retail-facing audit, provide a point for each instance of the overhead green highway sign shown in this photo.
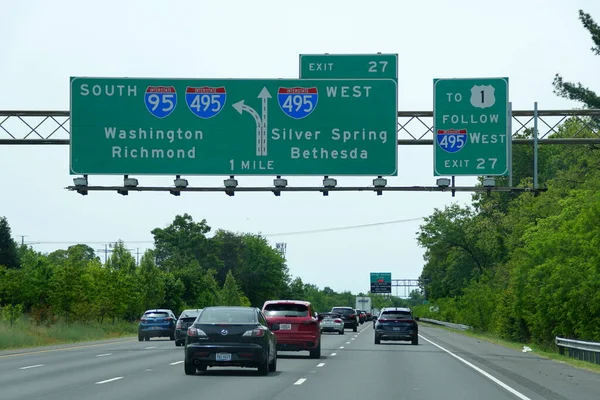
(471, 125)
(233, 126)
(349, 66)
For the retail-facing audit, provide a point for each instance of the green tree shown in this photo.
(577, 91)
(9, 256)
(181, 242)
(230, 294)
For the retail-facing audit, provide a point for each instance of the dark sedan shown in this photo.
(186, 319)
(231, 337)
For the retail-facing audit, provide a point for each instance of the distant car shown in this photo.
(186, 318)
(230, 337)
(299, 328)
(348, 316)
(362, 316)
(396, 323)
(157, 323)
(332, 322)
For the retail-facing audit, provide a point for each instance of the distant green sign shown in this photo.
(471, 127)
(349, 66)
(233, 126)
(381, 282)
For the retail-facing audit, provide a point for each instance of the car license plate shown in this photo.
(156, 328)
(285, 327)
(223, 357)
(396, 328)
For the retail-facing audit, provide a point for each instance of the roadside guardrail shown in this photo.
(579, 349)
(460, 327)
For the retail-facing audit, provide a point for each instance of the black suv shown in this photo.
(186, 319)
(396, 323)
(348, 316)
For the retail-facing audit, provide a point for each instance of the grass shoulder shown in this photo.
(24, 333)
(536, 349)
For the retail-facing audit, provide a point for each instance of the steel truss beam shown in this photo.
(414, 127)
(124, 190)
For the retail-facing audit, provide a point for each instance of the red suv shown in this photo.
(299, 328)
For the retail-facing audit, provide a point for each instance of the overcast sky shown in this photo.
(46, 42)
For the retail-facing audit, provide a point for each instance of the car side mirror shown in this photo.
(417, 319)
(275, 327)
(320, 317)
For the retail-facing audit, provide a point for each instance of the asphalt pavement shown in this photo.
(445, 365)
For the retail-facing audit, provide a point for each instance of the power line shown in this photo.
(305, 232)
(343, 228)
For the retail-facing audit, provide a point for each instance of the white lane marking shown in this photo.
(176, 362)
(109, 380)
(482, 372)
(333, 354)
(103, 355)
(347, 342)
(151, 347)
(300, 381)
(32, 366)
(341, 347)
(353, 338)
(320, 365)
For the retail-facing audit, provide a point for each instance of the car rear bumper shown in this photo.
(180, 334)
(393, 335)
(297, 342)
(332, 328)
(150, 332)
(242, 355)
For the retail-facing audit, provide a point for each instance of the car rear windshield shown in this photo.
(286, 310)
(396, 315)
(190, 314)
(343, 310)
(156, 315)
(331, 316)
(226, 316)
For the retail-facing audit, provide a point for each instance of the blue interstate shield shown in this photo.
(205, 102)
(160, 100)
(298, 102)
(451, 140)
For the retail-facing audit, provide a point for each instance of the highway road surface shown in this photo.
(445, 365)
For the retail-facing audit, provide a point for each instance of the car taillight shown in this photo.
(178, 325)
(352, 316)
(195, 332)
(337, 321)
(143, 320)
(259, 332)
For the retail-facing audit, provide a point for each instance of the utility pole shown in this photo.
(22, 239)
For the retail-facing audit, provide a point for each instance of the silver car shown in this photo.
(332, 322)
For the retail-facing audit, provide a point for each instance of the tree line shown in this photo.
(521, 266)
(187, 268)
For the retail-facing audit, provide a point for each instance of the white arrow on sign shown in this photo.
(261, 123)
(264, 95)
(241, 107)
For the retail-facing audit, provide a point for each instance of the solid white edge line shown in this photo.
(320, 365)
(176, 362)
(103, 355)
(32, 366)
(300, 381)
(482, 372)
(109, 380)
